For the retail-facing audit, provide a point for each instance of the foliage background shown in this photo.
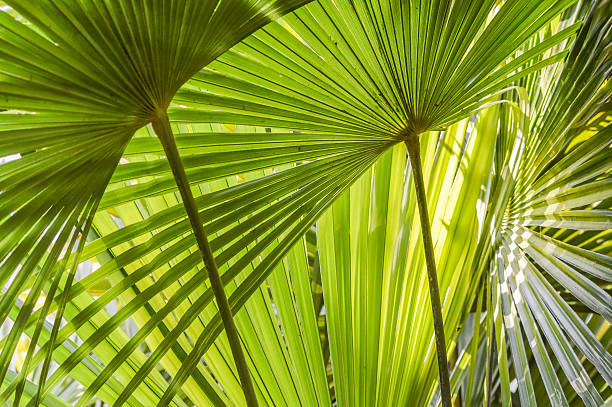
(291, 136)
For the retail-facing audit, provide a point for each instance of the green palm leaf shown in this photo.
(301, 122)
(561, 185)
(93, 73)
(321, 75)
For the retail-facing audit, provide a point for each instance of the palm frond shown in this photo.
(280, 128)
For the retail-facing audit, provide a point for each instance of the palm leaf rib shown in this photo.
(414, 151)
(164, 132)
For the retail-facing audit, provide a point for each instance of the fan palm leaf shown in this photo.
(270, 134)
(560, 187)
(101, 70)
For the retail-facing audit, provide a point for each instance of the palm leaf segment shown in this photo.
(344, 80)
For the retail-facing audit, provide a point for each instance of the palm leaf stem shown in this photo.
(414, 151)
(161, 125)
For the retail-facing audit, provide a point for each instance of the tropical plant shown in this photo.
(178, 169)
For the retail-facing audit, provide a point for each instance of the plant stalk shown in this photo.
(161, 125)
(414, 151)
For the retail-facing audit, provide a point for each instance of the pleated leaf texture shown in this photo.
(290, 119)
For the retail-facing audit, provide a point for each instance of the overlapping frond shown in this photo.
(77, 80)
(376, 67)
(548, 272)
(372, 265)
(271, 133)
